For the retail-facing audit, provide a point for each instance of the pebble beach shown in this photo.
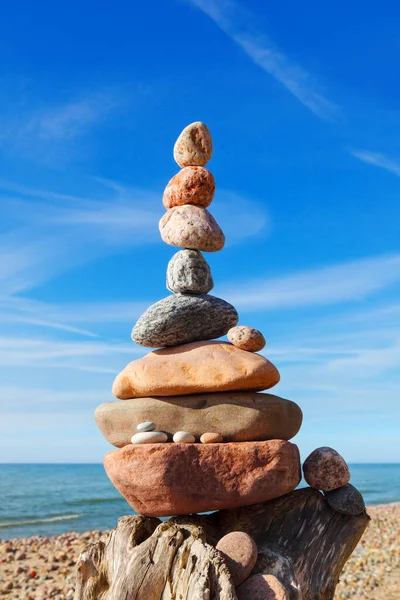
(44, 567)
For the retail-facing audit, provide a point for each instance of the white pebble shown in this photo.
(146, 426)
(149, 437)
(183, 437)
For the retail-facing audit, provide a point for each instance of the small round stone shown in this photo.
(183, 437)
(240, 554)
(262, 587)
(194, 146)
(146, 426)
(346, 500)
(246, 338)
(192, 185)
(149, 437)
(211, 438)
(189, 273)
(326, 470)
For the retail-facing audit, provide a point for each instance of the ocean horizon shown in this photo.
(53, 498)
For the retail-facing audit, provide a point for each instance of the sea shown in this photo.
(52, 499)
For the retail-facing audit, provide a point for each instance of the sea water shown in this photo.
(53, 499)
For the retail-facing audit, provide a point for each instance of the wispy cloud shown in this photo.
(260, 48)
(344, 282)
(49, 133)
(378, 160)
(48, 234)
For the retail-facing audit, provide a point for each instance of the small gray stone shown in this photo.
(146, 426)
(346, 500)
(189, 273)
(180, 319)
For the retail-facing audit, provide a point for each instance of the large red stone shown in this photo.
(177, 479)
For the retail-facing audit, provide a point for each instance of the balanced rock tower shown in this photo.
(195, 431)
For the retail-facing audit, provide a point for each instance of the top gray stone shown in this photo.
(189, 273)
(180, 319)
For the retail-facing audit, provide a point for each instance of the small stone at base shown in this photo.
(346, 500)
(240, 554)
(211, 438)
(326, 470)
(183, 437)
(149, 437)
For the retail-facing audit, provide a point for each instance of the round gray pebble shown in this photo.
(346, 500)
(188, 272)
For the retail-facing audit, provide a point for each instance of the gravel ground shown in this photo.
(44, 568)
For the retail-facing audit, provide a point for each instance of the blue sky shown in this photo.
(303, 105)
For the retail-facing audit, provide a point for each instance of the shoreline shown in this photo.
(41, 567)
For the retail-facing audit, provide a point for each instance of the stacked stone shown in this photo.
(193, 428)
(230, 443)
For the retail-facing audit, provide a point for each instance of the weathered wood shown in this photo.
(300, 539)
(145, 559)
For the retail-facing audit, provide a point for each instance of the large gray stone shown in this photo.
(188, 272)
(180, 319)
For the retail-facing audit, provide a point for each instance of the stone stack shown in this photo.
(194, 429)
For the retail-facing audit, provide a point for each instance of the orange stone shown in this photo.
(192, 185)
(179, 479)
(195, 368)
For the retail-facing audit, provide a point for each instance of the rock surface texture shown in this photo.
(236, 416)
(240, 554)
(195, 368)
(246, 338)
(179, 479)
(189, 273)
(190, 226)
(194, 145)
(192, 185)
(326, 470)
(262, 587)
(182, 318)
(346, 500)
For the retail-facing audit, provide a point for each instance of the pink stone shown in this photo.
(240, 554)
(246, 338)
(326, 470)
(193, 227)
(192, 185)
(262, 587)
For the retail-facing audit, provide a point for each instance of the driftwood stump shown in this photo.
(300, 540)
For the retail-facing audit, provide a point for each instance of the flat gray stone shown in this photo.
(189, 273)
(180, 319)
(346, 500)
